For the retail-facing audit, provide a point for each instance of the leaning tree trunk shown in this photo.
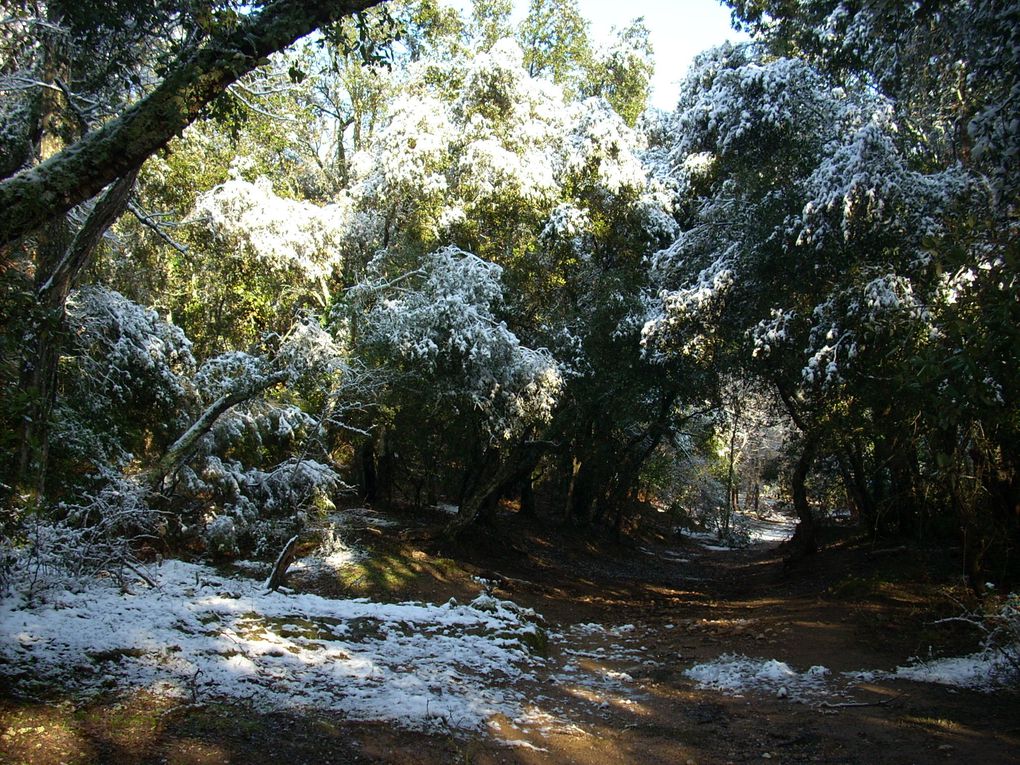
(514, 468)
(804, 541)
(183, 448)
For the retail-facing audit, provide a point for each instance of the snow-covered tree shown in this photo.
(813, 255)
(622, 72)
(445, 331)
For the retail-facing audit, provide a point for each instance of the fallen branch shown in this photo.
(181, 449)
(852, 704)
(141, 574)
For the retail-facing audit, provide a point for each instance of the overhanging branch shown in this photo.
(34, 196)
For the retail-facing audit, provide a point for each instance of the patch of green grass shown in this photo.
(394, 572)
(123, 716)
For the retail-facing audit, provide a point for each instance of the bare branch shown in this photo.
(156, 227)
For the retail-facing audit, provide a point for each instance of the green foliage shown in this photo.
(490, 22)
(554, 37)
(531, 263)
(843, 259)
(622, 74)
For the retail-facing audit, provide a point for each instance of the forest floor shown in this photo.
(661, 649)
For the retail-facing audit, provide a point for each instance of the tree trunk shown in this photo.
(528, 508)
(581, 497)
(57, 270)
(33, 197)
(804, 540)
(514, 468)
(852, 486)
(369, 484)
(283, 561)
(724, 529)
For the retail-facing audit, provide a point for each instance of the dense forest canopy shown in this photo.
(256, 257)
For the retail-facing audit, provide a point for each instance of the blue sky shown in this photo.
(680, 29)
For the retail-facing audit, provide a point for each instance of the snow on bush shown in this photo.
(732, 104)
(285, 234)
(407, 157)
(245, 463)
(251, 503)
(997, 664)
(333, 553)
(128, 369)
(124, 347)
(198, 635)
(94, 535)
(600, 143)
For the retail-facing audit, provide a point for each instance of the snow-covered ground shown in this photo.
(772, 527)
(200, 636)
(766, 528)
(982, 671)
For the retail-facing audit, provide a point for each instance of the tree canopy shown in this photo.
(255, 257)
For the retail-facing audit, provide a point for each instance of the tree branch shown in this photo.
(182, 448)
(146, 220)
(33, 197)
(107, 210)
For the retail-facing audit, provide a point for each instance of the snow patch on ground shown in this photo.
(597, 665)
(773, 527)
(362, 517)
(333, 553)
(734, 674)
(982, 671)
(201, 636)
(766, 528)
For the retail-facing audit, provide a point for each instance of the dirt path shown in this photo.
(625, 625)
(630, 623)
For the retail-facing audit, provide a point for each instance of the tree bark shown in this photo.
(369, 484)
(35, 196)
(283, 561)
(519, 464)
(528, 508)
(804, 541)
(731, 473)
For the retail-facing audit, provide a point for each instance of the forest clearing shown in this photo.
(484, 381)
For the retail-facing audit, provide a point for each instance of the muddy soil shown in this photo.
(625, 619)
